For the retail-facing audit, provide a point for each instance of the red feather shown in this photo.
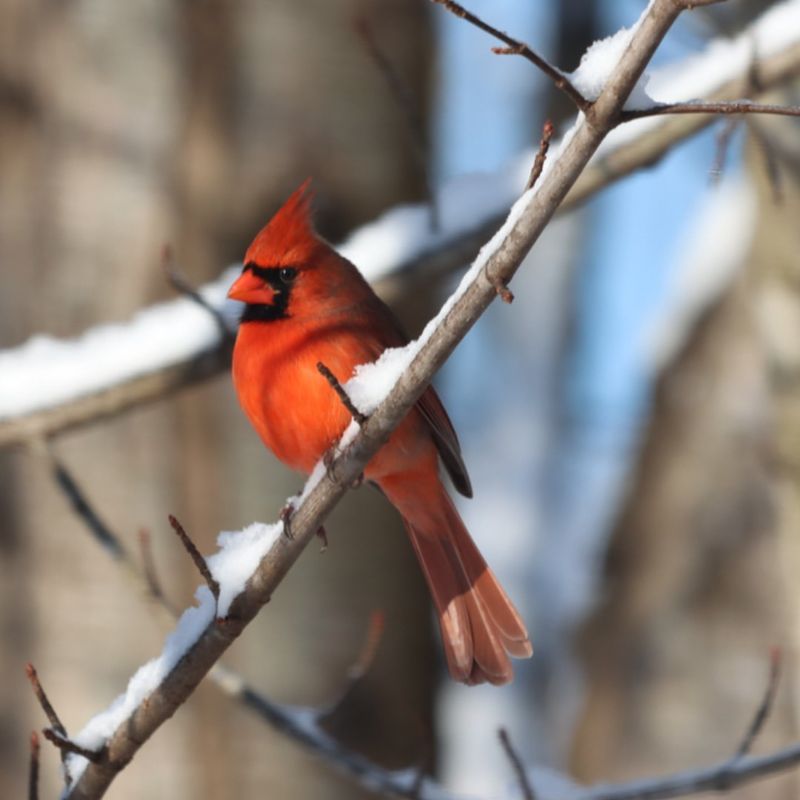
(308, 304)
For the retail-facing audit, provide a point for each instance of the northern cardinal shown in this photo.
(307, 304)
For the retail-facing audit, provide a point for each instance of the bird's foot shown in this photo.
(286, 519)
(329, 459)
(323, 535)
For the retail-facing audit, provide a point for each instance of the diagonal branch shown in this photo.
(517, 48)
(204, 638)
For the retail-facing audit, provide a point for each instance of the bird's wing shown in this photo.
(444, 435)
(379, 318)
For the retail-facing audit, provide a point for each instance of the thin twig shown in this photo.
(80, 505)
(341, 393)
(149, 566)
(44, 701)
(697, 107)
(518, 48)
(691, 4)
(764, 707)
(724, 138)
(181, 284)
(541, 154)
(33, 768)
(359, 668)
(403, 96)
(516, 763)
(194, 554)
(67, 746)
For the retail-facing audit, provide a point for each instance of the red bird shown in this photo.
(306, 304)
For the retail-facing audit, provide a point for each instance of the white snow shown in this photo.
(147, 678)
(46, 371)
(600, 60)
(238, 557)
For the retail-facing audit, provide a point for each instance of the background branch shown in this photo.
(624, 152)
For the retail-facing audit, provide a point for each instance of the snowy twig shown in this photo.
(68, 747)
(501, 258)
(433, 256)
(518, 48)
(516, 763)
(541, 154)
(33, 768)
(194, 554)
(404, 98)
(341, 393)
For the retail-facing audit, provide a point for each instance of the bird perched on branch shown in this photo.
(306, 304)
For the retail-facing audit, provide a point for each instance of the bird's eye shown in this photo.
(287, 274)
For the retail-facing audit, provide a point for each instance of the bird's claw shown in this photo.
(286, 519)
(329, 459)
(323, 535)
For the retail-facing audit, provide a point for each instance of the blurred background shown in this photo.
(630, 422)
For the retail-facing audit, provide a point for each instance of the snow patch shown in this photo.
(147, 679)
(238, 557)
(600, 60)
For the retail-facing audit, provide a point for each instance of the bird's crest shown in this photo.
(289, 237)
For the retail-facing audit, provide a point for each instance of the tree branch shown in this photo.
(33, 768)
(517, 48)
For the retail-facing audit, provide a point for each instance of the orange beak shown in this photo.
(248, 288)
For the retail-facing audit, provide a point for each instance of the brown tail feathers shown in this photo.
(480, 626)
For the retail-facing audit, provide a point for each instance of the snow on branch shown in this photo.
(48, 385)
(251, 564)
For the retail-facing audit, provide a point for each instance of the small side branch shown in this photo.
(341, 393)
(517, 48)
(68, 747)
(359, 668)
(33, 768)
(516, 763)
(737, 107)
(194, 554)
(181, 284)
(764, 708)
(44, 701)
(538, 163)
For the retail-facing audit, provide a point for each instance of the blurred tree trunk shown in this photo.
(124, 127)
(702, 574)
